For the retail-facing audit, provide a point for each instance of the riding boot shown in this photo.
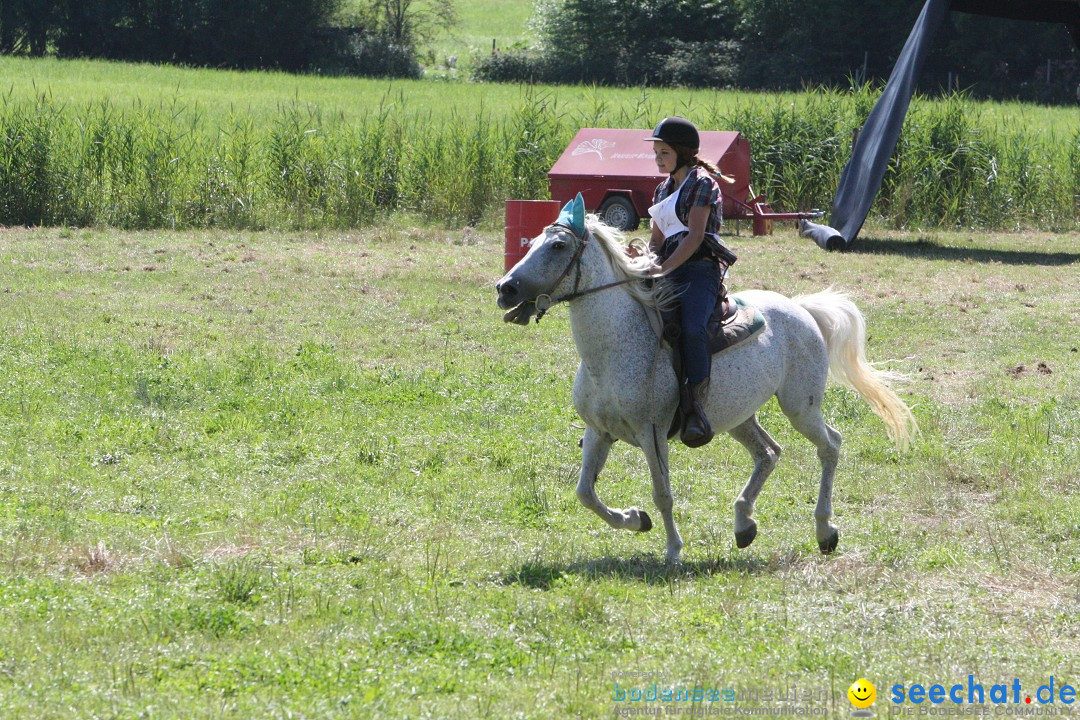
(696, 429)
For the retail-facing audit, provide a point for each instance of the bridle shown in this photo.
(544, 302)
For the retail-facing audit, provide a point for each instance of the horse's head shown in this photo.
(531, 284)
(560, 268)
(528, 288)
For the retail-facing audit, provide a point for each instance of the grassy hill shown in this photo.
(481, 22)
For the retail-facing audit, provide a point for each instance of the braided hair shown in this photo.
(688, 156)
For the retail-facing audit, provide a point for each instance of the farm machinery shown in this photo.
(616, 175)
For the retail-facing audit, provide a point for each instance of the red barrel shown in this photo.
(525, 219)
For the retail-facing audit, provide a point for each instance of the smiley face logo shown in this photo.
(862, 693)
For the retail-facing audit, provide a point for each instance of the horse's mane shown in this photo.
(642, 267)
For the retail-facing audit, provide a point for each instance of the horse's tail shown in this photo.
(844, 329)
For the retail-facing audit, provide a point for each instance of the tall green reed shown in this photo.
(149, 166)
(227, 188)
(27, 167)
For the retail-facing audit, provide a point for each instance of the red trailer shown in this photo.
(615, 173)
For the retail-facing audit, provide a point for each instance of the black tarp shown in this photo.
(862, 176)
(861, 179)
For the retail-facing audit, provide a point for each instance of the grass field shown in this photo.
(481, 22)
(215, 95)
(315, 476)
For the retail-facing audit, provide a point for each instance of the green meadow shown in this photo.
(268, 451)
(313, 475)
(482, 21)
(216, 94)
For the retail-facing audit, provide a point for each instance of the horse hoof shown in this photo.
(646, 522)
(745, 537)
(828, 545)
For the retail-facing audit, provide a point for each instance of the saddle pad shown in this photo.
(745, 322)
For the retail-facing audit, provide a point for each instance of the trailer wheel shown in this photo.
(619, 212)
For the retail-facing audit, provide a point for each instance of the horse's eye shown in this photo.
(558, 244)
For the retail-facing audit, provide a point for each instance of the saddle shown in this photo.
(732, 322)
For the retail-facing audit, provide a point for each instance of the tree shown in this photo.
(26, 25)
(412, 23)
(687, 42)
(260, 33)
(788, 43)
(224, 33)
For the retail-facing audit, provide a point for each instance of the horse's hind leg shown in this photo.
(806, 418)
(594, 452)
(765, 452)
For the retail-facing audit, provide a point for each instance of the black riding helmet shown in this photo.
(676, 131)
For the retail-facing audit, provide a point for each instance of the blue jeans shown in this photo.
(697, 282)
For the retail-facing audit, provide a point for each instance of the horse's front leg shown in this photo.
(655, 447)
(594, 452)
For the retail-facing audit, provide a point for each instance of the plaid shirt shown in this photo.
(700, 189)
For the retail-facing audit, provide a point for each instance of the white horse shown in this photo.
(626, 389)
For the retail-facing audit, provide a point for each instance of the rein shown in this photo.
(544, 302)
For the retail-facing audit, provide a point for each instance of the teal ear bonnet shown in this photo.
(573, 216)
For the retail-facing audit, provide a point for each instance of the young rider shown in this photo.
(686, 216)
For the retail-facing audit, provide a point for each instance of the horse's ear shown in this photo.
(573, 216)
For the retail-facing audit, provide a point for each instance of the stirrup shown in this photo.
(696, 431)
